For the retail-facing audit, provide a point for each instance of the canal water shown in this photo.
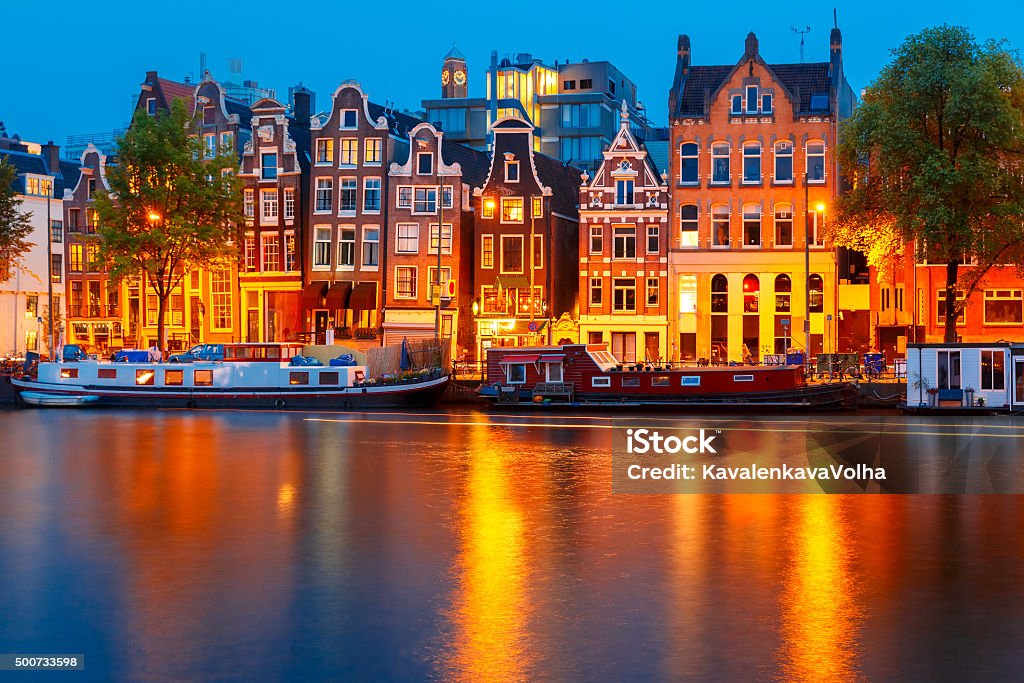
(167, 545)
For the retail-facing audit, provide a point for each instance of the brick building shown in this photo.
(526, 242)
(411, 260)
(352, 147)
(753, 173)
(624, 240)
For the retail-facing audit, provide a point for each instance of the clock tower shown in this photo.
(453, 75)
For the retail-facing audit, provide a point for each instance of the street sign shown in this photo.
(532, 326)
(785, 322)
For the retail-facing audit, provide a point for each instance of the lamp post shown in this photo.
(49, 265)
(807, 271)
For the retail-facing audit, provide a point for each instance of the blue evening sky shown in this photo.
(76, 67)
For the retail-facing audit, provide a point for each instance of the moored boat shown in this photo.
(587, 375)
(251, 376)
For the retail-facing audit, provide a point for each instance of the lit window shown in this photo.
(325, 151)
(349, 152)
(446, 239)
(203, 378)
(720, 225)
(511, 209)
(488, 208)
(487, 251)
(751, 225)
(405, 277)
(174, 378)
(271, 253)
(538, 207)
(816, 287)
(993, 373)
(372, 155)
(1004, 307)
(653, 291)
(783, 225)
(298, 378)
(720, 162)
(145, 378)
(688, 225)
(408, 238)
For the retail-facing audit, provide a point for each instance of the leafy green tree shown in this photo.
(935, 156)
(169, 210)
(15, 226)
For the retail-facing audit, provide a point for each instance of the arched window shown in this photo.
(815, 161)
(816, 293)
(688, 163)
(751, 225)
(719, 294)
(783, 225)
(720, 162)
(752, 162)
(720, 225)
(783, 290)
(751, 293)
(784, 161)
(688, 225)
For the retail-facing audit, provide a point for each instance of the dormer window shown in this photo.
(425, 163)
(766, 103)
(737, 104)
(349, 118)
(511, 171)
(751, 99)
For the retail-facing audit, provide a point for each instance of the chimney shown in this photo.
(51, 155)
(682, 69)
(750, 46)
(836, 49)
(302, 105)
(683, 51)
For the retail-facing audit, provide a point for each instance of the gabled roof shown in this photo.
(475, 164)
(64, 177)
(564, 181)
(399, 124)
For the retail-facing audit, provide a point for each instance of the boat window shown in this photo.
(328, 377)
(516, 373)
(600, 381)
(104, 373)
(69, 373)
(630, 381)
(661, 381)
(298, 378)
(274, 353)
(742, 378)
(145, 378)
(689, 381)
(174, 378)
(203, 378)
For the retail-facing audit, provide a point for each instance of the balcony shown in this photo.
(93, 311)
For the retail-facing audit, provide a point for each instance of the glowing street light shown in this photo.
(153, 216)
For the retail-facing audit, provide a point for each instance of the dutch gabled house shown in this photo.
(753, 176)
(275, 169)
(624, 238)
(526, 243)
(352, 147)
(416, 208)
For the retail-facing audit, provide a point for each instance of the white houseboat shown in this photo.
(254, 376)
(966, 378)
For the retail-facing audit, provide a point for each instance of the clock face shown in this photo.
(445, 76)
(460, 77)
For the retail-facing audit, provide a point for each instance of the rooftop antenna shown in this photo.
(802, 32)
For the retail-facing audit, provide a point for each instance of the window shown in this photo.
(751, 225)
(623, 295)
(653, 239)
(371, 239)
(289, 203)
(349, 152)
(816, 161)
(783, 291)
(586, 83)
(783, 161)
(688, 293)
(328, 377)
(751, 293)
(347, 247)
(56, 231)
(75, 257)
(74, 220)
(752, 162)
(623, 192)
(538, 251)
(653, 291)
(408, 241)
(289, 253)
(321, 248)
(446, 275)
(405, 277)
(249, 203)
(596, 291)
(298, 378)
(568, 85)
(993, 375)
(425, 200)
(817, 293)
(249, 253)
(511, 253)
(688, 225)
(719, 294)
(348, 199)
(227, 140)
(271, 253)
(661, 381)
(817, 229)
(210, 145)
(151, 106)
(511, 209)
(597, 382)
(737, 105)
(720, 225)
(751, 99)
(446, 239)
(596, 239)
(349, 118)
(105, 373)
(92, 258)
(487, 210)
(203, 378)
(766, 103)
(1004, 307)
(446, 196)
(688, 163)
(720, 162)
(372, 155)
(516, 373)
(324, 195)
(268, 164)
(221, 289)
(325, 151)
(174, 378)
(269, 202)
(371, 195)
(581, 115)
(624, 242)
(91, 188)
(31, 305)
(940, 308)
(511, 171)
(783, 225)
(487, 251)
(405, 197)
(425, 163)
(581, 148)
(948, 370)
(538, 207)
(145, 377)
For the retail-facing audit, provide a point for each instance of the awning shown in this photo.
(312, 293)
(337, 295)
(512, 282)
(364, 297)
(518, 359)
(552, 358)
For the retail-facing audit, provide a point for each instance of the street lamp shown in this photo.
(153, 216)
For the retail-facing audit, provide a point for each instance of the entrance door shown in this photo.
(254, 325)
(652, 347)
(1018, 381)
(320, 326)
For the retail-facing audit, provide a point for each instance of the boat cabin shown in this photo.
(986, 376)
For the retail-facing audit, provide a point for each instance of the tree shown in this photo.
(15, 226)
(935, 156)
(169, 210)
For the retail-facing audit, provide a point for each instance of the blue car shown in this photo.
(199, 352)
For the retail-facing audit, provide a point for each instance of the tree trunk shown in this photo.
(952, 269)
(161, 326)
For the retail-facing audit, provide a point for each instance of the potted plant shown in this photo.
(921, 383)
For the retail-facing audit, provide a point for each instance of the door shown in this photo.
(652, 347)
(320, 326)
(1018, 381)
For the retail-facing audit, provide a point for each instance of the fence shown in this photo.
(385, 360)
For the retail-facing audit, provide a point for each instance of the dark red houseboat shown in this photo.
(588, 375)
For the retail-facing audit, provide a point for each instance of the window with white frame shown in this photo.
(321, 248)
(269, 201)
(817, 228)
(227, 140)
(404, 197)
(783, 162)
(751, 99)
(623, 192)
(424, 163)
(596, 291)
(447, 196)
(623, 295)
(250, 253)
(347, 247)
(349, 152)
(736, 106)
(1004, 307)
(349, 118)
(425, 200)
(324, 195)
(349, 190)
(271, 248)
(940, 308)
(372, 155)
(289, 252)
(720, 162)
(446, 239)
(371, 247)
(289, 202)
(815, 161)
(210, 145)
(624, 241)
(249, 203)
(766, 103)
(511, 171)
(688, 226)
(720, 225)
(653, 291)
(948, 369)
(487, 251)
(511, 253)
(653, 239)
(408, 238)
(751, 225)
(371, 195)
(446, 275)
(268, 165)
(538, 207)
(515, 373)
(751, 162)
(688, 168)
(325, 151)
(220, 287)
(596, 239)
(993, 370)
(405, 282)
(538, 252)
(511, 209)
(783, 225)
(487, 208)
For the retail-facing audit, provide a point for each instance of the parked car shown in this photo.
(199, 352)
